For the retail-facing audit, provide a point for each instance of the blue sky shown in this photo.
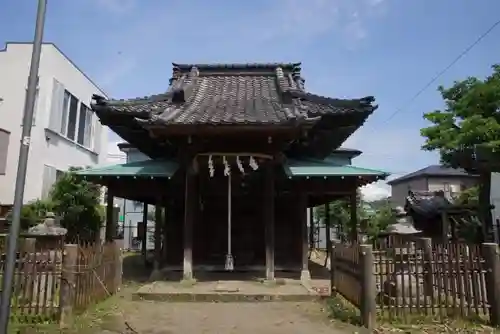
(349, 48)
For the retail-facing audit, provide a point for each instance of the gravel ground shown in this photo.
(220, 318)
(145, 317)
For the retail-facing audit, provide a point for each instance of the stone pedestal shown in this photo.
(155, 275)
(305, 276)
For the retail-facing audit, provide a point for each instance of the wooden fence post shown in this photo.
(492, 258)
(118, 258)
(368, 305)
(29, 250)
(333, 288)
(428, 278)
(68, 284)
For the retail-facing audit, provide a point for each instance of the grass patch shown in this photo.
(107, 315)
(342, 310)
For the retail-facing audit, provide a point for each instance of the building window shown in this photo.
(64, 112)
(49, 178)
(4, 150)
(72, 118)
(84, 126)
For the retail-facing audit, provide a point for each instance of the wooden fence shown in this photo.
(52, 284)
(418, 278)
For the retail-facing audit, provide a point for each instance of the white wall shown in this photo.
(399, 191)
(452, 184)
(47, 148)
(132, 212)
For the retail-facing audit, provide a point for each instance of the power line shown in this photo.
(443, 71)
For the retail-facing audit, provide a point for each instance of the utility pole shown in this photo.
(21, 169)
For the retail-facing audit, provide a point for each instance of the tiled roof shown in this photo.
(427, 203)
(433, 171)
(234, 94)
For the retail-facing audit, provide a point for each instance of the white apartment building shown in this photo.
(65, 132)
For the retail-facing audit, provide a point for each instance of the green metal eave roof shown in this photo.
(328, 168)
(145, 168)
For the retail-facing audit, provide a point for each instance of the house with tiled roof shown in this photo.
(431, 178)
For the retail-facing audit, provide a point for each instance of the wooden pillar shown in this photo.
(305, 275)
(156, 273)
(312, 246)
(166, 221)
(269, 197)
(353, 207)
(485, 205)
(190, 198)
(110, 217)
(328, 232)
(144, 235)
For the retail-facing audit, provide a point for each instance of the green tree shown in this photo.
(33, 213)
(470, 117)
(340, 216)
(77, 202)
(469, 197)
(469, 123)
(379, 222)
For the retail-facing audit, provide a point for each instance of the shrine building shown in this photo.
(237, 153)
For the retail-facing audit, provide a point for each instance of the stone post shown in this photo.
(68, 284)
(118, 256)
(368, 305)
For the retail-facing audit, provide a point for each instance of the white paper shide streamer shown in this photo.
(253, 164)
(211, 168)
(240, 165)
